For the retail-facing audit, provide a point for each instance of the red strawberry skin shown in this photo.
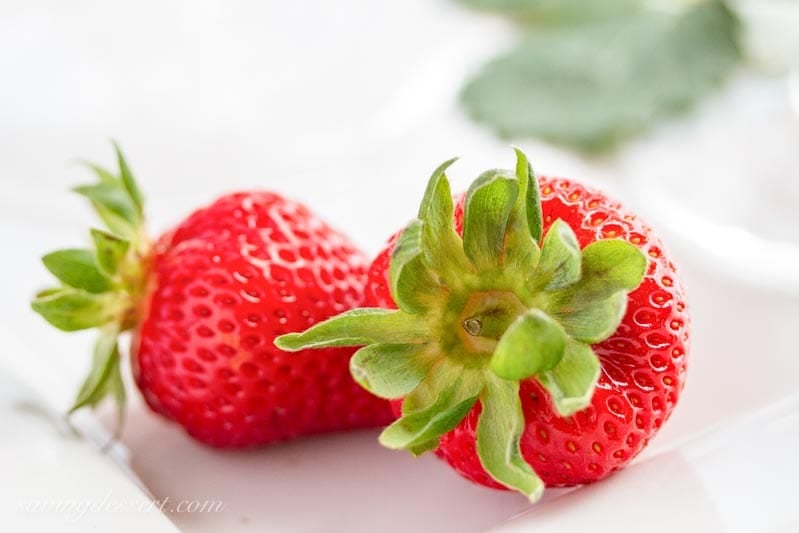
(643, 362)
(223, 284)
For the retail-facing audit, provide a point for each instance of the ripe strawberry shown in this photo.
(205, 302)
(523, 361)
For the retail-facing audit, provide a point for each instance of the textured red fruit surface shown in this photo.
(643, 362)
(223, 285)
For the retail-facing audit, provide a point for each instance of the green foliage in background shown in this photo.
(557, 11)
(591, 84)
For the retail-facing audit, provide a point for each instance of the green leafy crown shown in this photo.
(478, 314)
(100, 287)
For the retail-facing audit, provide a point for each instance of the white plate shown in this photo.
(741, 359)
(737, 478)
(725, 182)
(45, 468)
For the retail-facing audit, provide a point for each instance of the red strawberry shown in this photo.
(521, 360)
(205, 303)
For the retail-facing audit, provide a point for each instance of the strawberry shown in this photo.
(532, 332)
(204, 302)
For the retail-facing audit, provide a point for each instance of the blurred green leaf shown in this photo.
(557, 11)
(77, 268)
(592, 85)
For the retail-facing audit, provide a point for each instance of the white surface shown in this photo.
(344, 482)
(347, 106)
(344, 476)
(734, 479)
(769, 32)
(733, 191)
(54, 481)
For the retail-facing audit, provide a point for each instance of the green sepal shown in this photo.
(523, 232)
(534, 342)
(104, 286)
(571, 383)
(560, 262)
(588, 320)
(391, 370)
(591, 309)
(102, 173)
(359, 327)
(412, 284)
(77, 268)
(532, 196)
(429, 197)
(443, 373)
(499, 430)
(46, 293)
(134, 193)
(425, 447)
(116, 388)
(104, 377)
(418, 427)
(441, 246)
(71, 309)
(487, 209)
(113, 206)
(109, 250)
(609, 266)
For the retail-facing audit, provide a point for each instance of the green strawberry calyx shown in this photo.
(101, 287)
(479, 314)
